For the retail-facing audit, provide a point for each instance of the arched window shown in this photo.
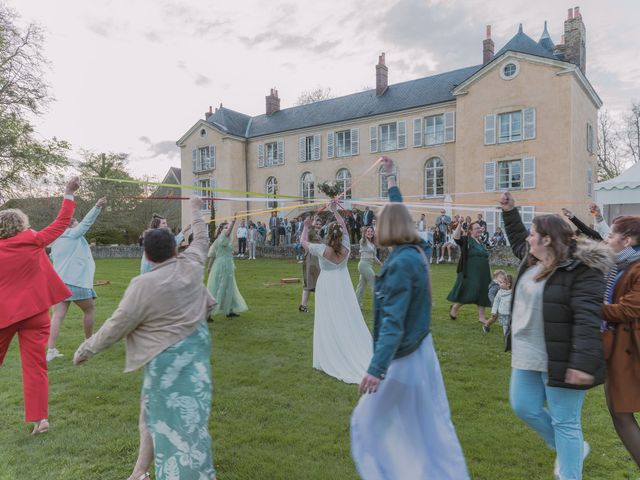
(383, 186)
(434, 177)
(343, 178)
(307, 186)
(271, 188)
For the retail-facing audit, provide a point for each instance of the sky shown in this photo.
(133, 76)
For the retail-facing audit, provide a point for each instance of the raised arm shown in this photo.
(333, 207)
(200, 245)
(392, 179)
(48, 234)
(516, 231)
(589, 232)
(227, 231)
(88, 220)
(457, 233)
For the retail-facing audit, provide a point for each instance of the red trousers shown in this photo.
(33, 334)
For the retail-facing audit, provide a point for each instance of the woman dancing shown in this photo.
(74, 263)
(341, 340)
(474, 273)
(365, 266)
(403, 430)
(222, 277)
(28, 287)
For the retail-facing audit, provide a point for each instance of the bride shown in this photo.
(342, 343)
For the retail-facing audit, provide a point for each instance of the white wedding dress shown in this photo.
(342, 343)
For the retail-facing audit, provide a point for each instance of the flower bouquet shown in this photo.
(330, 189)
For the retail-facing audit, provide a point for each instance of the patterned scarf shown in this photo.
(623, 259)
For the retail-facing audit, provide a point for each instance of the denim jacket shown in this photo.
(402, 308)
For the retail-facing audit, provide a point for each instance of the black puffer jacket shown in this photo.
(572, 305)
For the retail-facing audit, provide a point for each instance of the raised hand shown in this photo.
(507, 202)
(72, 185)
(101, 202)
(196, 202)
(387, 164)
(567, 213)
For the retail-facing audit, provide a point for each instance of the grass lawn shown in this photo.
(274, 417)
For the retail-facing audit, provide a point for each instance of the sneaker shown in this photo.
(486, 328)
(449, 260)
(586, 449)
(53, 353)
(441, 259)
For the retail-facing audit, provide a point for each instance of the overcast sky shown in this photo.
(134, 75)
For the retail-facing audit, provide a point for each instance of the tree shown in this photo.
(23, 93)
(121, 222)
(632, 133)
(610, 163)
(313, 96)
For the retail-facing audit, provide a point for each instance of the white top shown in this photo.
(241, 232)
(317, 249)
(502, 302)
(529, 351)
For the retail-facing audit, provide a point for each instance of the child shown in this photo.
(502, 303)
(494, 287)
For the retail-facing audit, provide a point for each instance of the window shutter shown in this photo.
(316, 147)
(280, 160)
(489, 129)
(590, 181)
(196, 191)
(529, 172)
(589, 138)
(302, 149)
(529, 123)
(489, 176)
(212, 157)
(373, 139)
(449, 127)
(330, 145)
(402, 134)
(194, 160)
(490, 218)
(213, 193)
(417, 132)
(355, 141)
(527, 212)
(261, 155)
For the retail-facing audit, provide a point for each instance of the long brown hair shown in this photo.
(562, 243)
(627, 226)
(334, 238)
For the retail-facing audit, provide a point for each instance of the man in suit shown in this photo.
(367, 217)
(274, 223)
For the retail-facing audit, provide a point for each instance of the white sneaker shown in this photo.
(449, 260)
(440, 259)
(53, 353)
(586, 449)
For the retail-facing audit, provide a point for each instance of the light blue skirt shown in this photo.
(404, 430)
(176, 395)
(80, 293)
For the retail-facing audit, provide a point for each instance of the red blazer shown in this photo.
(28, 282)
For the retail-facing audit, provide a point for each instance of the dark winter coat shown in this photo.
(572, 305)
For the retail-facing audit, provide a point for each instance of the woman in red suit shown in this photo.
(28, 287)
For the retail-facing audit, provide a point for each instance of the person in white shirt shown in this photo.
(241, 233)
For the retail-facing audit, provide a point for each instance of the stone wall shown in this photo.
(500, 256)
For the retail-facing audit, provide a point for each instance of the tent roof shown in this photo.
(629, 179)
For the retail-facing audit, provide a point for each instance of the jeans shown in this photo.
(558, 424)
(242, 246)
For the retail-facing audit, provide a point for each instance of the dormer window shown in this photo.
(509, 70)
(203, 133)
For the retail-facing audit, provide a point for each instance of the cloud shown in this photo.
(165, 148)
(289, 41)
(105, 27)
(202, 80)
(154, 36)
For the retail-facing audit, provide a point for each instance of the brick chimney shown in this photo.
(209, 113)
(382, 76)
(573, 48)
(487, 47)
(273, 102)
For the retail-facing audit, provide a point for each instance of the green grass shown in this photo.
(274, 417)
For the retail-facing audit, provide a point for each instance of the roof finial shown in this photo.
(520, 28)
(545, 32)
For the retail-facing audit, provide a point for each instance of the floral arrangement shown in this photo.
(330, 189)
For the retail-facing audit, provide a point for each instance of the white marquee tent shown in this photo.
(620, 195)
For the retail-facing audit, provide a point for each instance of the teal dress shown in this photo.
(222, 279)
(472, 283)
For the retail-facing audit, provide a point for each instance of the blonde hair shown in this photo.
(395, 226)
(499, 273)
(12, 222)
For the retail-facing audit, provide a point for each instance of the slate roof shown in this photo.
(523, 43)
(398, 97)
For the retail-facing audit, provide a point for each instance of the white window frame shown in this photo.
(503, 74)
(511, 135)
(204, 183)
(510, 166)
(435, 166)
(388, 136)
(342, 143)
(343, 178)
(307, 186)
(271, 188)
(434, 131)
